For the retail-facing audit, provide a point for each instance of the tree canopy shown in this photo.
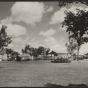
(4, 39)
(77, 26)
(66, 2)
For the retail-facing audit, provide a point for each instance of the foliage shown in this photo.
(47, 51)
(71, 46)
(77, 26)
(41, 50)
(12, 52)
(66, 2)
(35, 51)
(8, 51)
(4, 39)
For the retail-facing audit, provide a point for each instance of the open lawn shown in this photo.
(43, 73)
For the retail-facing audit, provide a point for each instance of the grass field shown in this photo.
(43, 73)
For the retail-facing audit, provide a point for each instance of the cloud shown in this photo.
(20, 40)
(50, 9)
(7, 20)
(15, 47)
(35, 43)
(50, 40)
(49, 32)
(18, 43)
(28, 12)
(60, 27)
(84, 48)
(58, 16)
(53, 44)
(10, 45)
(15, 30)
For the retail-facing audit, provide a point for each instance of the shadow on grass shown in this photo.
(70, 85)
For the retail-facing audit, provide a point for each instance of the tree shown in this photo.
(35, 52)
(12, 53)
(8, 51)
(26, 49)
(41, 50)
(47, 51)
(4, 39)
(77, 26)
(23, 51)
(71, 47)
(53, 53)
(66, 2)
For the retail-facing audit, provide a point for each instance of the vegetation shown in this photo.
(66, 2)
(12, 54)
(77, 26)
(4, 39)
(71, 47)
(35, 52)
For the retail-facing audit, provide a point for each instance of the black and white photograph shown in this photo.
(44, 43)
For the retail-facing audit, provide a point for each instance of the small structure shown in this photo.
(62, 54)
(25, 57)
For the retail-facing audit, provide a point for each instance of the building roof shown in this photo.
(24, 55)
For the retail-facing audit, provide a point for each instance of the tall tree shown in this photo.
(71, 47)
(23, 51)
(47, 51)
(41, 50)
(26, 49)
(4, 39)
(66, 2)
(35, 53)
(53, 53)
(77, 26)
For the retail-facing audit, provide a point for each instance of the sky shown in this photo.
(37, 24)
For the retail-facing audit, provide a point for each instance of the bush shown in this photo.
(61, 60)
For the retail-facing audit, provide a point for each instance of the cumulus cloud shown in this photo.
(6, 20)
(58, 16)
(15, 30)
(53, 44)
(15, 47)
(50, 9)
(20, 40)
(35, 43)
(49, 32)
(10, 45)
(18, 43)
(84, 49)
(28, 12)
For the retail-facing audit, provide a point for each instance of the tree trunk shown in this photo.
(54, 57)
(78, 53)
(51, 56)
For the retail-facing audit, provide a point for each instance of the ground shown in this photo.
(43, 73)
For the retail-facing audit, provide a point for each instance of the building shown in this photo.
(25, 57)
(62, 54)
